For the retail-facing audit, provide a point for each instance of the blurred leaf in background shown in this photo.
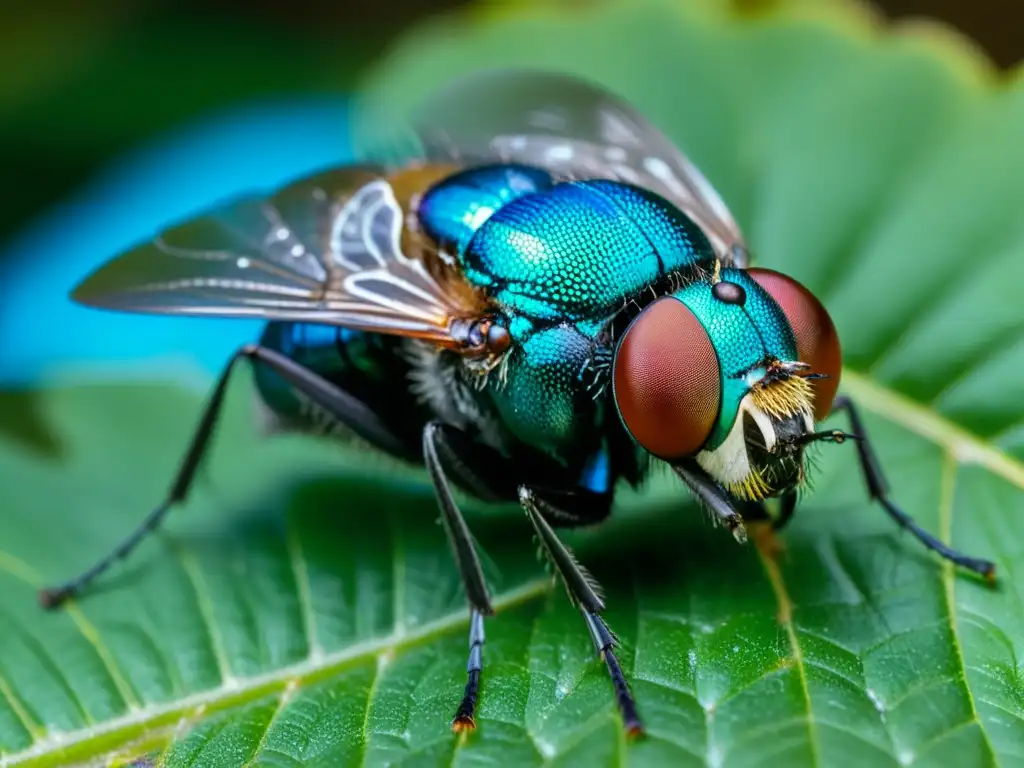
(117, 118)
(82, 81)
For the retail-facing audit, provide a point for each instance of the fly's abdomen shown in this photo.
(368, 366)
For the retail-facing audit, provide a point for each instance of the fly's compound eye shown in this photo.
(666, 380)
(817, 342)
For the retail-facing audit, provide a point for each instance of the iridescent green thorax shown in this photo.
(743, 336)
(552, 252)
(540, 394)
(558, 260)
(578, 250)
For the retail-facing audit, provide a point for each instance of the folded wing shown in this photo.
(325, 249)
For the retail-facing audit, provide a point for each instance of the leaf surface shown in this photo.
(302, 609)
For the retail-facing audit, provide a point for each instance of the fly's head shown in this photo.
(762, 453)
(747, 429)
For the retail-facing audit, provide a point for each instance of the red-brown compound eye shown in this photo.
(817, 342)
(666, 380)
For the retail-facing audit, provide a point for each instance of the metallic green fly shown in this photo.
(543, 303)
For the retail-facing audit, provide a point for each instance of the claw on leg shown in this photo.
(463, 723)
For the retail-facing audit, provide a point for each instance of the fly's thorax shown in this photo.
(580, 249)
(456, 206)
(540, 395)
(718, 371)
(559, 251)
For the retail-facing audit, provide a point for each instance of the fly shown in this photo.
(543, 301)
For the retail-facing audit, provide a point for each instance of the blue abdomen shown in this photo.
(367, 366)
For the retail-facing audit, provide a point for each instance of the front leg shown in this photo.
(454, 455)
(878, 489)
(713, 497)
(584, 592)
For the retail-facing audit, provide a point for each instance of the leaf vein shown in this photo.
(947, 497)
(786, 615)
(47, 660)
(370, 693)
(793, 722)
(21, 712)
(282, 703)
(398, 575)
(939, 738)
(252, 688)
(204, 603)
(301, 573)
(966, 447)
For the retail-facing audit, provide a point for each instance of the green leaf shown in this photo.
(302, 609)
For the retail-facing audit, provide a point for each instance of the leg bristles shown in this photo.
(623, 696)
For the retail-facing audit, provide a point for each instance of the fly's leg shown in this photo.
(713, 497)
(584, 593)
(452, 454)
(878, 489)
(573, 508)
(437, 454)
(787, 504)
(348, 410)
(786, 508)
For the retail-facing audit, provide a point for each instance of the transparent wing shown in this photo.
(574, 129)
(324, 249)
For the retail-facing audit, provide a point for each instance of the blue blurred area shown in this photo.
(43, 334)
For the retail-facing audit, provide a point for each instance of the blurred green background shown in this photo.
(83, 81)
(118, 116)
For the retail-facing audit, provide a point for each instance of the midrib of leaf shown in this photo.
(964, 447)
(960, 446)
(782, 597)
(78, 745)
(947, 490)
